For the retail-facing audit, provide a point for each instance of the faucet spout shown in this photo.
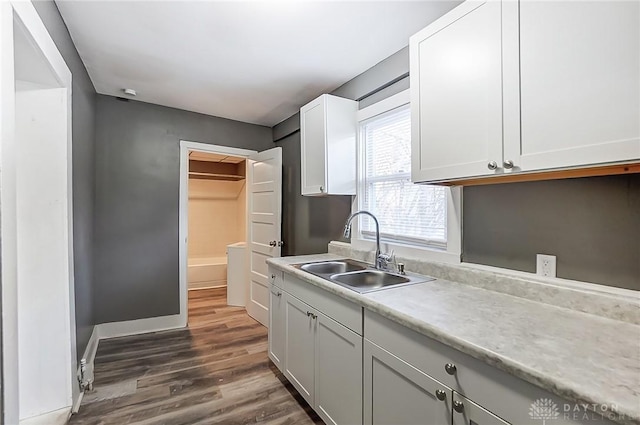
(347, 232)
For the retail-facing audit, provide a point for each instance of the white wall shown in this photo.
(44, 328)
(217, 216)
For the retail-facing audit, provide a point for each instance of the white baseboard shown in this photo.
(140, 326)
(208, 284)
(57, 417)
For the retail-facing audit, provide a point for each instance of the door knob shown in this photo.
(508, 164)
(458, 406)
(441, 395)
(273, 243)
(492, 165)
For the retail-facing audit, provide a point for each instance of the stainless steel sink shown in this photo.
(332, 267)
(369, 279)
(360, 277)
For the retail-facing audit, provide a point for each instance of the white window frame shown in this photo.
(449, 254)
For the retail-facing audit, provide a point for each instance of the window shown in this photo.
(408, 213)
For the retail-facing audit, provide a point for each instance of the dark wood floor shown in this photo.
(215, 372)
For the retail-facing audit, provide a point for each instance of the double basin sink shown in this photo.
(359, 277)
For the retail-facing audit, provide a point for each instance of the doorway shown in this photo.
(263, 215)
(217, 224)
(213, 224)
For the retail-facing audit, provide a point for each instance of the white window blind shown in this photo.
(407, 212)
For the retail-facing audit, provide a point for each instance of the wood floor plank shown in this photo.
(214, 372)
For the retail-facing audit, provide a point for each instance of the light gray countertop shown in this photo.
(581, 357)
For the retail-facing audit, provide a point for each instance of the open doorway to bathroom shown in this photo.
(217, 228)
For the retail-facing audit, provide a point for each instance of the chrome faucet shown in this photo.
(382, 260)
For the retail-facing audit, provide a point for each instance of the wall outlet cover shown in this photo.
(546, 265)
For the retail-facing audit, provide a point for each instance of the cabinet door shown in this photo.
(579, 83)
(300, 346)
(467, 412)
(312, 147)
(397, 393)
(277, 318)
(456, 94)
(338, 373)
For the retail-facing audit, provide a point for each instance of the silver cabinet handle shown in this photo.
(280, 243)
(450, 368)
(508, 164)
(441, 395)
(492, 165)
(458, 406)
(273, 276)
(310, 314)
(321, 188)
(273, 243)
(276, 293)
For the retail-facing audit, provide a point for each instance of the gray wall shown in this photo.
(591, 224)
(83, 116)
(137, 187)
(308, 223)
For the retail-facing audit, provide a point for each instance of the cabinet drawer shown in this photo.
(503, 394)
(344, 312)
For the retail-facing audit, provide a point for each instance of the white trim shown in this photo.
(183, 214)
(452, 253)
(139, 326)
(57, 417)
(23, 13)
(385, 105)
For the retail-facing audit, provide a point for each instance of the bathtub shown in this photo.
(207, 272)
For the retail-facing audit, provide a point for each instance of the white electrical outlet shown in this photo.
(546, 265)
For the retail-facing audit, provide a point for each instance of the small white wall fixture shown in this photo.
(186, 147)
(38, 307)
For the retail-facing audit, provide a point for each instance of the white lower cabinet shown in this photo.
(358, 367)
(397, 393)
(321, 357)
(300, 328)
(338, 372)
(277, 326)
(404, 370)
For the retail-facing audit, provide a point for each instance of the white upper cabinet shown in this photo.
(579, 84)
(328, 146)
(525, 86)
(456, 94)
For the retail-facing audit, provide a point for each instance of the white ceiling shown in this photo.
(250, 61)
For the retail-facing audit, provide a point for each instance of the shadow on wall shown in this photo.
(591, 224)
(308, 223)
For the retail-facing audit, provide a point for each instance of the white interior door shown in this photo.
(265, 215)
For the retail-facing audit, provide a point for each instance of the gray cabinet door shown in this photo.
(277, 317)
(467, 412)
(397, 393)
(338, 373)
(300, 346)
